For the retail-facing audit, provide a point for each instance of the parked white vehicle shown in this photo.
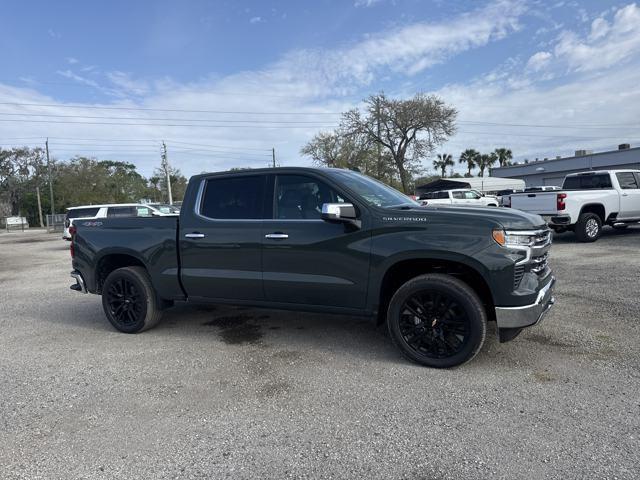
(90, 212)
(586, 202)
(459, 196)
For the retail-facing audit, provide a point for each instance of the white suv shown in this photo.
(459, 196)
(89, 212)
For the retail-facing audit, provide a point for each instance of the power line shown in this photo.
(66, 122)
(143, 109)
(157, 119)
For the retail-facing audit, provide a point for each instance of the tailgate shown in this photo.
(541, 203)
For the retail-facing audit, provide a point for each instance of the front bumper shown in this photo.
(527, 315)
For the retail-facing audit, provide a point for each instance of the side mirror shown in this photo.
(339, 212)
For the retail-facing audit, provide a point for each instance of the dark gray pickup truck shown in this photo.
(325, 240)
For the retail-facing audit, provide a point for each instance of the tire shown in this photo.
(588, 227)
(129, 300)
(418, 328)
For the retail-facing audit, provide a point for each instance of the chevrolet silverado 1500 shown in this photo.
(325, 240)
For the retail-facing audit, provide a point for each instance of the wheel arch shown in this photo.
(595, 208)
(401, 270)
(109, 261)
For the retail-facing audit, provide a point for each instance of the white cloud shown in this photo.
(71, 60)
(539, 60)
(316, 82)
(256, 20)
(365, 3)
(606, 45)
(125, 84)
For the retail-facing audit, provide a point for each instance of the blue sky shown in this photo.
(224, 82)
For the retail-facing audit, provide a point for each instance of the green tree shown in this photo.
(178, 184)
(470, 158)
(485, 161)
(444, 160)
(407, 130)
(504, 156)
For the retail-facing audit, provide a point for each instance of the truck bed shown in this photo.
(151, 241)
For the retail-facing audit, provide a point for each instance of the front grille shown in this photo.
(517, 276)
(539, 263)
(542, 238)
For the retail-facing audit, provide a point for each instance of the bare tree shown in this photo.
(407, 129)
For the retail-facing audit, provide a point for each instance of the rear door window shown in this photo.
(588, 182)
(627, 180)
(115, 212)
(234, 198)
(82, 212)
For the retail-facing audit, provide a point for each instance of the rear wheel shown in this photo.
(129, 301)
(437, 320)
(588, 227)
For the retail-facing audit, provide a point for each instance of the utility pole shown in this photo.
(379, 172)
(273, 155)
(165, 167)
(40, 206)
(46, 145)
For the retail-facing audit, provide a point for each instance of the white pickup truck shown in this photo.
(586, 202)
(459, 196)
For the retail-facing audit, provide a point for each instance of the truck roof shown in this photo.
(594, 172)
(273, 170)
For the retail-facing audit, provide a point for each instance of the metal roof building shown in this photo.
(552, 171)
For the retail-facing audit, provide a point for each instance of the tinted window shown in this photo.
(627, 180)
(237, 198)
(82, 212)
(442, 195)
(587, 182)
(372, 191)
(121, 212)
(300, 198)
(458, 195)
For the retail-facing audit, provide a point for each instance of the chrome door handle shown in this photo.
(276, 236)
(194, 235)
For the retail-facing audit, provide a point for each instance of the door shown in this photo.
(307, 260)
(629, 195)
(220, 241)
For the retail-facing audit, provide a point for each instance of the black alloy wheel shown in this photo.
(437, 320)
(433, 324)
(125, 302)
(129, 300)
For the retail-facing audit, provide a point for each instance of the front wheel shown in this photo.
(437, 320)
(129, 300)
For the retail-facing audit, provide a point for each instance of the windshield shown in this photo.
(372, 191)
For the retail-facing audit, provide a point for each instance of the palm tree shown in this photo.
(485, 161)
(504, 156)
(444, 160)
(470, 157)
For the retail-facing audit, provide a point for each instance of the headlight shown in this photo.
(513, 239)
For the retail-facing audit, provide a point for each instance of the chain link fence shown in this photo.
(55, 222)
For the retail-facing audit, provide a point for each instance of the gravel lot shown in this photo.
(219, 392)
